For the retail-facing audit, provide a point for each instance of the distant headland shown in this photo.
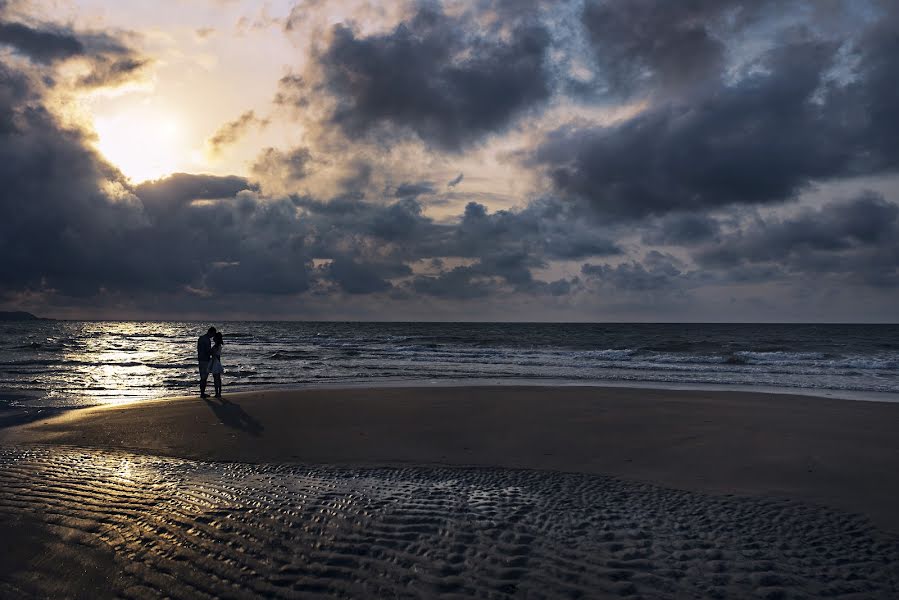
(17, 315)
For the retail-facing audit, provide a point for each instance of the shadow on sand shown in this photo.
(233, 415)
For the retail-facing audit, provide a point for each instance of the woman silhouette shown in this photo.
(215, 364)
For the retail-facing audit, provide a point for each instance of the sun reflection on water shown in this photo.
(120, 362)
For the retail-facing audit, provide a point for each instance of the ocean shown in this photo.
(82, 363)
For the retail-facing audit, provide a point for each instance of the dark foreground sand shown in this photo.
(538, 492)
(839, 453)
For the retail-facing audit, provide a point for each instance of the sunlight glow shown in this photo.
(143, 142)
(118, 362)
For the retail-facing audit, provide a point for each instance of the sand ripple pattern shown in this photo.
(102, 524)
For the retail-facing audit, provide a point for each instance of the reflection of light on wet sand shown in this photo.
(125, 470)
(151, 527)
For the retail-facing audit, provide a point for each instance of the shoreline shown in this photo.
(824, 393)
(352, 384)
(819, 450)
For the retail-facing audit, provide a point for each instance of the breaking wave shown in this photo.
(68, 363)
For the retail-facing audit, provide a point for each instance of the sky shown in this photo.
(480, 160)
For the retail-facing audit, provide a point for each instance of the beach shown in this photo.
(504, 491)
(507, 299)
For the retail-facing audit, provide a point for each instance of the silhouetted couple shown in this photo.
(209, 355)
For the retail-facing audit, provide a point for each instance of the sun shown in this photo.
(143, 142)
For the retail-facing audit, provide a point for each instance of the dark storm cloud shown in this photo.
(238, 244)
(365, 277)
(579, 244)
(112, 59)
(355, 232)
(651, 46)
(813, 106)
(49, 195)
(541, 229)
(703, 168)
(490, 275)
(681, 230)
(413, 190)
(73, 225)
(865, 221)
(657, 275)
(760, 140)
(859, 237)
(232, 131)
(460, 283)
(160, 240)
(351, 217)
(182, 188)
(399, 221)
(43, 46)
(438, 76)
(655, 43)
(505, 246)
(260, 273)
(513, 267)
(633, 276)
(875, 92)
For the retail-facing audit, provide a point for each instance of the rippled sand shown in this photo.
(136, 526)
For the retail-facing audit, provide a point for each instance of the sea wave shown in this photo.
(157, 358)
(780, 357)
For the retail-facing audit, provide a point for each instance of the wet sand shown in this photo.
(499, 492)
(100, 524)
(843, 454)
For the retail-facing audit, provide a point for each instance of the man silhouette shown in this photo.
(204, 354)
